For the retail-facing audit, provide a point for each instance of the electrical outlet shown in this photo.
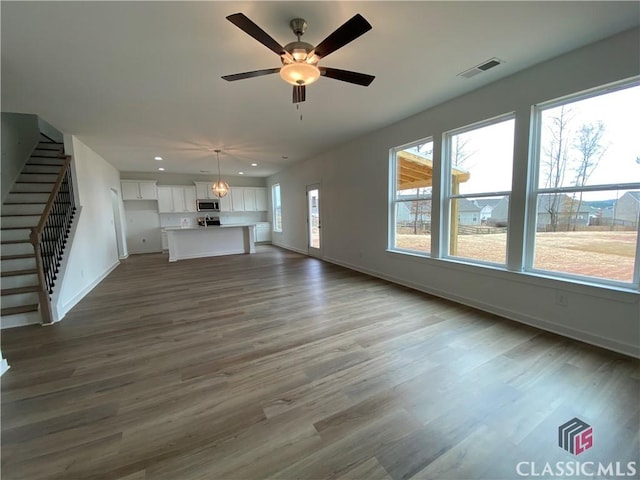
(562, 299)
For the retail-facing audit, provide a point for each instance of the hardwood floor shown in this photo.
(277, 365)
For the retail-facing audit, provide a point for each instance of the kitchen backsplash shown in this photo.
(175, 219)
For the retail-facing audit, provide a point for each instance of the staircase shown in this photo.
(22, 282)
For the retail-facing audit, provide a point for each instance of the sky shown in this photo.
(490, 148)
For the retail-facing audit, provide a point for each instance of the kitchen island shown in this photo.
(210, 241)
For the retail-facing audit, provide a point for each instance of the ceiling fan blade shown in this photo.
(299, 93)
(347, 76)
(348, 32)
(243, 22)
(255, 73)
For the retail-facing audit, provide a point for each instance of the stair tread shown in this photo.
(16, 257)
(25, 203)
(19, 290)
(8, 242)
(20, 215)
(16, 228)
(15, 273)
(21, 309)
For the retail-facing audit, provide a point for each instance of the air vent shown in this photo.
(483, 67)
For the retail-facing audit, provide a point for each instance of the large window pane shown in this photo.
(590, 234)
(481, 165)
(482, 159)
(412, 197)
(587, 204)
(277, 208)
(591, 142)
(479, 228)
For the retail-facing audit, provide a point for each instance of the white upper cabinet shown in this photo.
(255, 199)
(203, 191)
(175, 199)
(225, 203)
(165, 199)
(237, 199)
(250, 200)
(139, 190)
(262, 204)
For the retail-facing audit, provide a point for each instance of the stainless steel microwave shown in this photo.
(208, 205)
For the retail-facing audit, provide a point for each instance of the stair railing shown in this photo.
(50, 236)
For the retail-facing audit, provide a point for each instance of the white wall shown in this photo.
(94, 252)
(19, 137)
(188, 179)
(354, 199)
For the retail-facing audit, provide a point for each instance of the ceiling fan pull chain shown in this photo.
(298, 108)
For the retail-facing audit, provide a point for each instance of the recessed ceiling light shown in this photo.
(161, 169)
(254, 164)
(240, 173)
(157, 158)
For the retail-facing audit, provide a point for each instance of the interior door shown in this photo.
(314, 222)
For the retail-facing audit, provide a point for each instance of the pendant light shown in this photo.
(219, 188)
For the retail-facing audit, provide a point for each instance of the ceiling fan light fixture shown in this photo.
(299, 73)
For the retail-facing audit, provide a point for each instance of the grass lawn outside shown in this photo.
(608, 255)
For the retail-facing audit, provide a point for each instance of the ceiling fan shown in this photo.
(300, 59)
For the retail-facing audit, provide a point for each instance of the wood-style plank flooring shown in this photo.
(277, 365)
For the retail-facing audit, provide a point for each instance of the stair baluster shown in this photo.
(49, 237)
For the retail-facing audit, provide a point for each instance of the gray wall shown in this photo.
(19, 137)
(356, 174)
(185, 179)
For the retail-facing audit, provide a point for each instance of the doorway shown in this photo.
(314, 222)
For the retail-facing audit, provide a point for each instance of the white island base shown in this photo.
(211, 241)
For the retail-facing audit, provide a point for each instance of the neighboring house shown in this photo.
(627, 209)
(500, 213)
(565, 211)
(468, 212)
(486, 205)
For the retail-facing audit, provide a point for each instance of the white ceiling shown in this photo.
(138, 79)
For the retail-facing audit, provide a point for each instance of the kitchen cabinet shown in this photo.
(255, 199)
(237, 199)
(176, 199)
(263, 232)
(203, 191)
(225, 203)
(139, 190)
(165, 199)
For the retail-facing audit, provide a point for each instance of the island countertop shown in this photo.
(210, 241)
(198, 227)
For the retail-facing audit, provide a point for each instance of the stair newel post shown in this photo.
(43, 294)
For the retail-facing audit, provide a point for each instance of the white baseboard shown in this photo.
(63, 309)
(293, 249)
(575, 334)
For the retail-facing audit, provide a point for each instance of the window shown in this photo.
(413, 173)
(479, 169)
(277, 208)
(586, 186)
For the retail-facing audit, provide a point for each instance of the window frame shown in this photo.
(448, 196)
(277, 206)
(534, 189)
(393, 199)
